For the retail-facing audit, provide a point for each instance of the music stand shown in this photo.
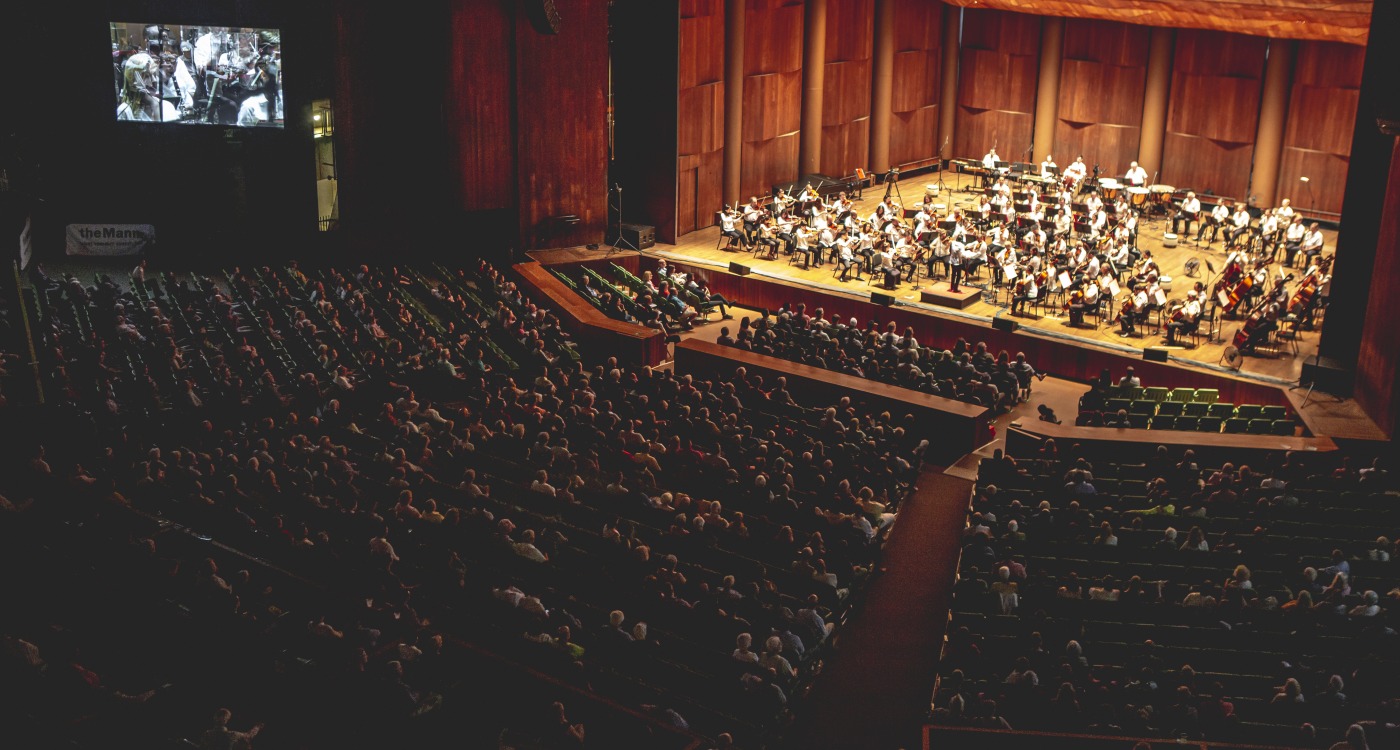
(620, 241)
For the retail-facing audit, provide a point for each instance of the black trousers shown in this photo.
(956, 273)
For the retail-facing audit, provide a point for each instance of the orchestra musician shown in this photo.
(1048, 168)
(1312, 243)
(1075, 174)
(826, 245)
(1293, 240)
(1214, 222)
(989, 163)
(1239, 225)
(753, 216)
(729, 227)
(802, 243)
(1136, 176)
(767, 238)
(1268, 233)
(845, 258)
(1189, 212)
(1134, 310)
(1186, 319)
(1026, 291)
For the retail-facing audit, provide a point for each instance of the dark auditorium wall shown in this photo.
(1213, 113)
(997, 84)
(918, 82)
(846, 93)
(1321, 113)
(207, 190)
(645, 140)
(772, 94)
(1102, 77)
(1378, 367)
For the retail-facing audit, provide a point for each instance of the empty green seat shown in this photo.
(1284, 427)
(1132, 393)
(1210, 424)
(1156, 393)
(1249, 411)
(1275, 412)
(1236, 425)
(1196, 409)
(1182, 394)
(1207, 395)
(1170, 408)
(1163, 422)
(1190, 424)
(1222, 410)
(1260, 426)
(1143, 406)
(1139, 421)
(1117, 404)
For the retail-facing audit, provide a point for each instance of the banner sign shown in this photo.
(109, 239)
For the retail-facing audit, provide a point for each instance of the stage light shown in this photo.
(317, 118)
(1304, 179)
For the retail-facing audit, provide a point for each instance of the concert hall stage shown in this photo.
(1275, 366)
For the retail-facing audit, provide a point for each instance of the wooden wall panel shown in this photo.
(560, 84)
(481, 104)
(997, 82)
(1102, 77)
(918, 81)
(700, 114)
(1377, 371)
(1321, 117)
(772, 94)
(846, 91)
(1214, 112)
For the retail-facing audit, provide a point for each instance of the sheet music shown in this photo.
(1113, 287)
(1160, 298)
(1223, 298)
(1064, 280)
(1010, 271)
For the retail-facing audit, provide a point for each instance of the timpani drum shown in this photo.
(1138, 196)
(1162, 194)
(1109, 187)
(1165, 282)
(1169, 240)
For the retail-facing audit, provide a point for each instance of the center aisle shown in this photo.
(875, 690)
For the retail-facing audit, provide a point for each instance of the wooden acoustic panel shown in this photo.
(850, 26)
(1092, 92)
(1106, 42)
(1327, 173)
(480, 100)
(997, 82)
(700, 114)
(1377, 374)
(563, 146)
(845, 117)
(1200, 164)
(1213, 113)
(917, 83)
(1321, 117)
(772, 94)
(1111, 147)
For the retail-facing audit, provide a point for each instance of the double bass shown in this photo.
(1306, 294)
(1236, 294)
(1255, 327)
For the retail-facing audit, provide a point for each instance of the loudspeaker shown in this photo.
(642, 236)
(738, 269)
(1154, 354)
(882, 299)
(1005, 324)
(1328, 375)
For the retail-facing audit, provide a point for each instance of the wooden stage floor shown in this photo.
(703, 246)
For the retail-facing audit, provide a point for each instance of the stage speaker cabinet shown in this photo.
(1005, 324)
(1328, 375)
(1154, 354)
(642, 236)
(738, 269)
(882, 299)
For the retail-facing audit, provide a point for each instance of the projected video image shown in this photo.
(205, 75)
